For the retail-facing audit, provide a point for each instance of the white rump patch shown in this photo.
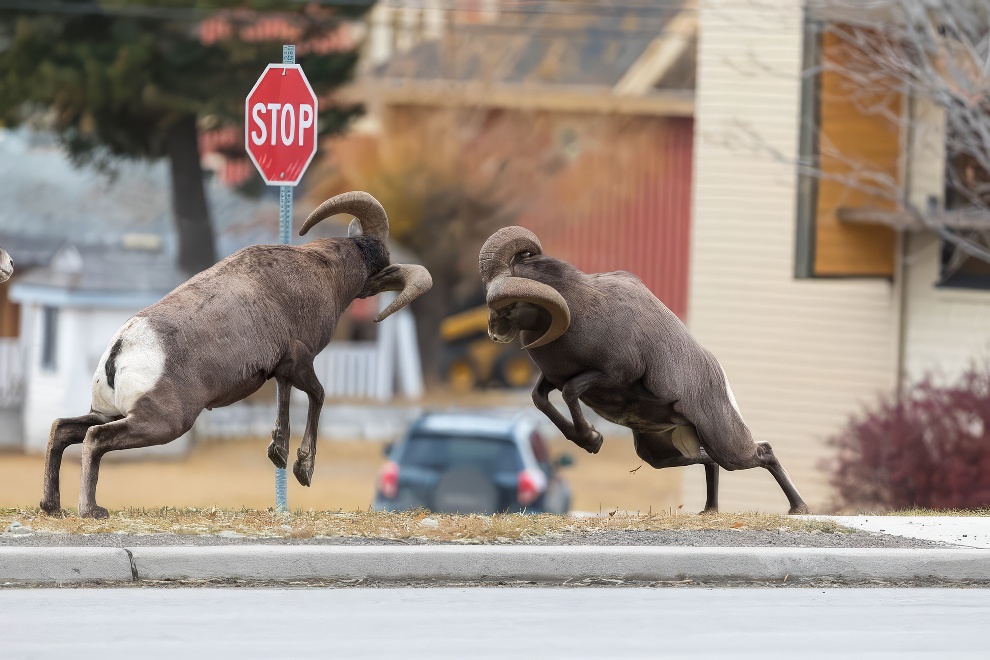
(728, 390)
(686, 441)
(139, 364)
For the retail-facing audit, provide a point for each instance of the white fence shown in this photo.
(11, 373)
(349, 369)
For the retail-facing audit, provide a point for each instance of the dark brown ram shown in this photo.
(604, 339)
(264, 312)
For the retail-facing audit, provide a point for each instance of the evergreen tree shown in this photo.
(133, 78)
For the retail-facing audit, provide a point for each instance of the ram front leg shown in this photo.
(305, 379)
(278, 449)
(580, 432)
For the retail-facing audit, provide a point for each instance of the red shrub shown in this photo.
(931, 449)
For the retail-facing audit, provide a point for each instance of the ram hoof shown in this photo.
(278, 455)
(97, 512)
(54, 510)
(303, 469)
(592, 443)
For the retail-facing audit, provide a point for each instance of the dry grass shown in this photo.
(405, 525)
(237, 473)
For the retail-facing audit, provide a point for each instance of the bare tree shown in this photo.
(938, 52)
(448, 177)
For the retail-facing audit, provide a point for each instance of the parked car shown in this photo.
(472, 463)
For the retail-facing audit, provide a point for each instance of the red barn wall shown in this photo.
(625, 204)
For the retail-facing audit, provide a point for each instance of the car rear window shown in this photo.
(440, 452)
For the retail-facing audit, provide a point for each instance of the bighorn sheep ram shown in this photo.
(6, 266)
(263, 312)
(605, 340)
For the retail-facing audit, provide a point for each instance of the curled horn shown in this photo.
(410, 280)
(504, 289)
(501, 246)
(364, 207)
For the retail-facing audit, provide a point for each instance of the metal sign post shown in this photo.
(285, 238)
(280, 137)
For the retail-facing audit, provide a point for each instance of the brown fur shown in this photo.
(631, 360)
(264, 312)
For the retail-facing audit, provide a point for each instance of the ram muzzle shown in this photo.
(511, 300)
(410, 280)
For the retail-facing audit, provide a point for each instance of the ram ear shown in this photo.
(507, 290)
(354, 229)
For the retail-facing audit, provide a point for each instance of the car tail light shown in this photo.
(531, 484)
(388, 480)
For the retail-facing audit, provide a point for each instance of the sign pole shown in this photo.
(285, 238)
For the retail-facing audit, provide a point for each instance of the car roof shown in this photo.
(484, 423)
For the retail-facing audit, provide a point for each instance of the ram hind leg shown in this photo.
(65, 432)
(773, 466)
(278, 448)
(140, 428)
(731, 446)
(658, 450)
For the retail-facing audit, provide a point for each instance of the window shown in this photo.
(849, 135)
(49, 338)
(957, 268)
(445, 452)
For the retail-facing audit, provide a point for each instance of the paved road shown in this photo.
(495, 623)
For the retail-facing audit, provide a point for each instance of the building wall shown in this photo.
(946, 329)
(801, 354)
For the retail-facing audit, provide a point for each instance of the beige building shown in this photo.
(811, 316)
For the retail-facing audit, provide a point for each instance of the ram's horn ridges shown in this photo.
(410, 280)
(364, 207)
(507, 290)
(498, 250)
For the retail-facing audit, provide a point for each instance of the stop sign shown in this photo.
(280, 124)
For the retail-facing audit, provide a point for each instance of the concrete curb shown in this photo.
(482, 563)
(64, 565)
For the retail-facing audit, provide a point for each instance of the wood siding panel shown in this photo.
(801, 355)
(852, 141)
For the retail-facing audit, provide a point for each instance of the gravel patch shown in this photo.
(690, 538)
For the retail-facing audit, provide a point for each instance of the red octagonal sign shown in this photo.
(280, 124)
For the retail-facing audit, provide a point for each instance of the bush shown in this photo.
(931, 449)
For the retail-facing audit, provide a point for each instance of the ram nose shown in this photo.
(500, 328)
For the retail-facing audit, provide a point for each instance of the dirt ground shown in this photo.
(233, 474)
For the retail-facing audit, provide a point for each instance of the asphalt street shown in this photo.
(495, 623)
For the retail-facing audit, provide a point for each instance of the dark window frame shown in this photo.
(810, 119)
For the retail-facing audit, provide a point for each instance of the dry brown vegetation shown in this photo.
(404, 525)
(237, 473)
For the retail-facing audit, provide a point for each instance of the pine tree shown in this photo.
(134, 78)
